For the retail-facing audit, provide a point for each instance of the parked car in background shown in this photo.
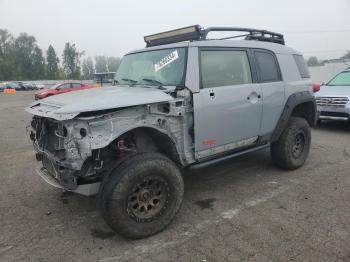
(28, 86)
(2, 87)
(9, 85)
(60, 89)
(333, 98)
(40, 86)
(21, 86)
(34, 86)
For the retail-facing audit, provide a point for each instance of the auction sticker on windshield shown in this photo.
(166, 60)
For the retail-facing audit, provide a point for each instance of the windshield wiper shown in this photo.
(129, 80)
(152, 81)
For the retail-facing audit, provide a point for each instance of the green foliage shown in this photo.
(38, 64)
(52, 70)
(88, 68)
(22, 59)
(7, 61)
(71, 61)
(24, 53)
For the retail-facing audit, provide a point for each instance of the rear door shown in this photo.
(228, 108)
(272, 88)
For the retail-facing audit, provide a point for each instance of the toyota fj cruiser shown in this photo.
(184, 101)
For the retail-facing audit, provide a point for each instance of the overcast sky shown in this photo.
(112, 27)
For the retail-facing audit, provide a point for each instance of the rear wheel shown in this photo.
(292, 148)
(142, 195)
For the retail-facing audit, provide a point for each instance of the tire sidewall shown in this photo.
(299, 125)
(123, 179)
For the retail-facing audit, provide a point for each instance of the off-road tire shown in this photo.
(283, 151)
(118, 189)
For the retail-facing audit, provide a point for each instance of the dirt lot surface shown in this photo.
(245, 209)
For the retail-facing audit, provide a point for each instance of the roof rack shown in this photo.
(196, 32)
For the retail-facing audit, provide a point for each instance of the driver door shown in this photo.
(64, 88)
(228, 108)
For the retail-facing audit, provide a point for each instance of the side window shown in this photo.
(224, 68)
(65, 86)
(303, 70)
(268, 67)
(75, 85)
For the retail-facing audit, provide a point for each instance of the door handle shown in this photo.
(253, 97)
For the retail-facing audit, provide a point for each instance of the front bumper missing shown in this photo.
(85, 190)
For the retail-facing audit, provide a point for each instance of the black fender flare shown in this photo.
(293, 101)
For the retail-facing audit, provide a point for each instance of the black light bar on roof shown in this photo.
(178, 35)
(196, 32)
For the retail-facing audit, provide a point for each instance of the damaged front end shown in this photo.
(77, 149)
(64, 150)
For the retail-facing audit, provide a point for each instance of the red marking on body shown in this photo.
(209, 142)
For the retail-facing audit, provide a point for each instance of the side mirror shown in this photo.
(57, 88)
(323, 83)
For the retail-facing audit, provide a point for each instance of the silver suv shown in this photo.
(333, 98)
(185, 101)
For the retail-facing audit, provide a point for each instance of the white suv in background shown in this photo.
(333, 98)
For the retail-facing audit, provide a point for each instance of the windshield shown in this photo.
(342, 79)
(160, 67)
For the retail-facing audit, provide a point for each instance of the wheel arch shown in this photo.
(154, 140)
(300, 104)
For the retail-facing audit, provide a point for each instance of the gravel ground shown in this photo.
(244, 209)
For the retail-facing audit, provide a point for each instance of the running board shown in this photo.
(226, 157)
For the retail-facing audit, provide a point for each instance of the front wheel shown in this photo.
(142, 195)
(292, 148)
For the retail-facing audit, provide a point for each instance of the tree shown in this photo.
(24, 46)
(6, 41)
(38, 64)
(7, 59)
(313, 61)
(113, 63)
(71, 61)
(88, 68)
(52, 60)
(100, 64)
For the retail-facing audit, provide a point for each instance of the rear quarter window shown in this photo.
(303, 70)
(268, 67)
